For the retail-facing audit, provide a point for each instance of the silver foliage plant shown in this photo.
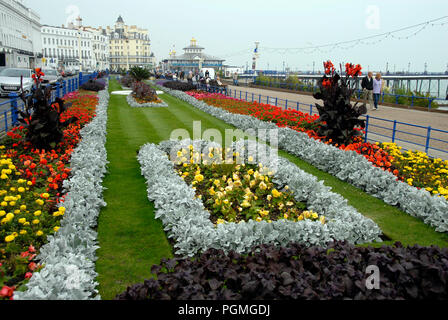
(134, 104)
(348, 166)
(187, 221)
(69, 256)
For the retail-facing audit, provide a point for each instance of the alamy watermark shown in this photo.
(73, 13)
(373, 19)
(373, 280)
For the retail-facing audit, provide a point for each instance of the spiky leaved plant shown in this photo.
(341, 119)
(139, 74)
(41, 118)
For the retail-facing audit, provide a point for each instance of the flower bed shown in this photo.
(293, 119)
(418, 170)
(235, 193)
(298, 121)
(69, 256)
(346, 165)
(299, 272)
(38, 189)
(186, 220)
(135, 104)
(178, 85)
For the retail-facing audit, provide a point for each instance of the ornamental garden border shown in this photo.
(69, 256)
(188, 222)
(348, 166)
(134, 104)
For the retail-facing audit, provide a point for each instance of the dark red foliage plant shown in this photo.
(338, 271)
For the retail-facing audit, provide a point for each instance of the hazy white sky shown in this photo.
(226, 27)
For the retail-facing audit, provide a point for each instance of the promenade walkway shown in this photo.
(416, 117)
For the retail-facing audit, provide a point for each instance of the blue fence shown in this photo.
(9, 115)
(420, 141)
(358, 93)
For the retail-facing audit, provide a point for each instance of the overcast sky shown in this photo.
(227, 27)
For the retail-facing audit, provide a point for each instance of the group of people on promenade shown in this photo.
(372, 89)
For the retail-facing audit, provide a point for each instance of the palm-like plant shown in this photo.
(139, 74)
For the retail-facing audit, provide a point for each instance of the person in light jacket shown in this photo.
(378, 85)
(235, 79)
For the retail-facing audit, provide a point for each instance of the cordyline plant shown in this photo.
(41, 118)
(341, 119)
(139, 74)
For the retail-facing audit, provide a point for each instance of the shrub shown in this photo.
(297, 272)
(93, 85)
(181, 86)
(126, 81)
(143, 91)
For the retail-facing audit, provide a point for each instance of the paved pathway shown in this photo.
(416, 117)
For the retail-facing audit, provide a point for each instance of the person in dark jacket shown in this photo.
(367, 88)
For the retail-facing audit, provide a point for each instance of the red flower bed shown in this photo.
(298, 121)
(42, 173)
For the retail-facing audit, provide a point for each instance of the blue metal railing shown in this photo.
(9, 118)
(426, 138)
(358, 93)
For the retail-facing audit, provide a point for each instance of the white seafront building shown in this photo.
(75, 46)
(20, 35)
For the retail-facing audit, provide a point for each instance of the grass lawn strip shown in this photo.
(129, 236)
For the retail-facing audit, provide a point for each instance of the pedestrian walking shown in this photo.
(207, 74)
(367, 88)
(190, 77)
(235, 79)
(378, 85)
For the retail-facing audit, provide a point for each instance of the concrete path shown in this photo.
(409, 137)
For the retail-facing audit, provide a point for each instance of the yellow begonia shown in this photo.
(276, 193)
(9, 238)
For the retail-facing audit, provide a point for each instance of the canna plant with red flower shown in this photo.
(41, 118)
(340, 119)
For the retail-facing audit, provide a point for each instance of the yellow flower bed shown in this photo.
(24, 214)
(419, 170)
(239, 192)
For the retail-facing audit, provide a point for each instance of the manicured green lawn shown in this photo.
(131, 240)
